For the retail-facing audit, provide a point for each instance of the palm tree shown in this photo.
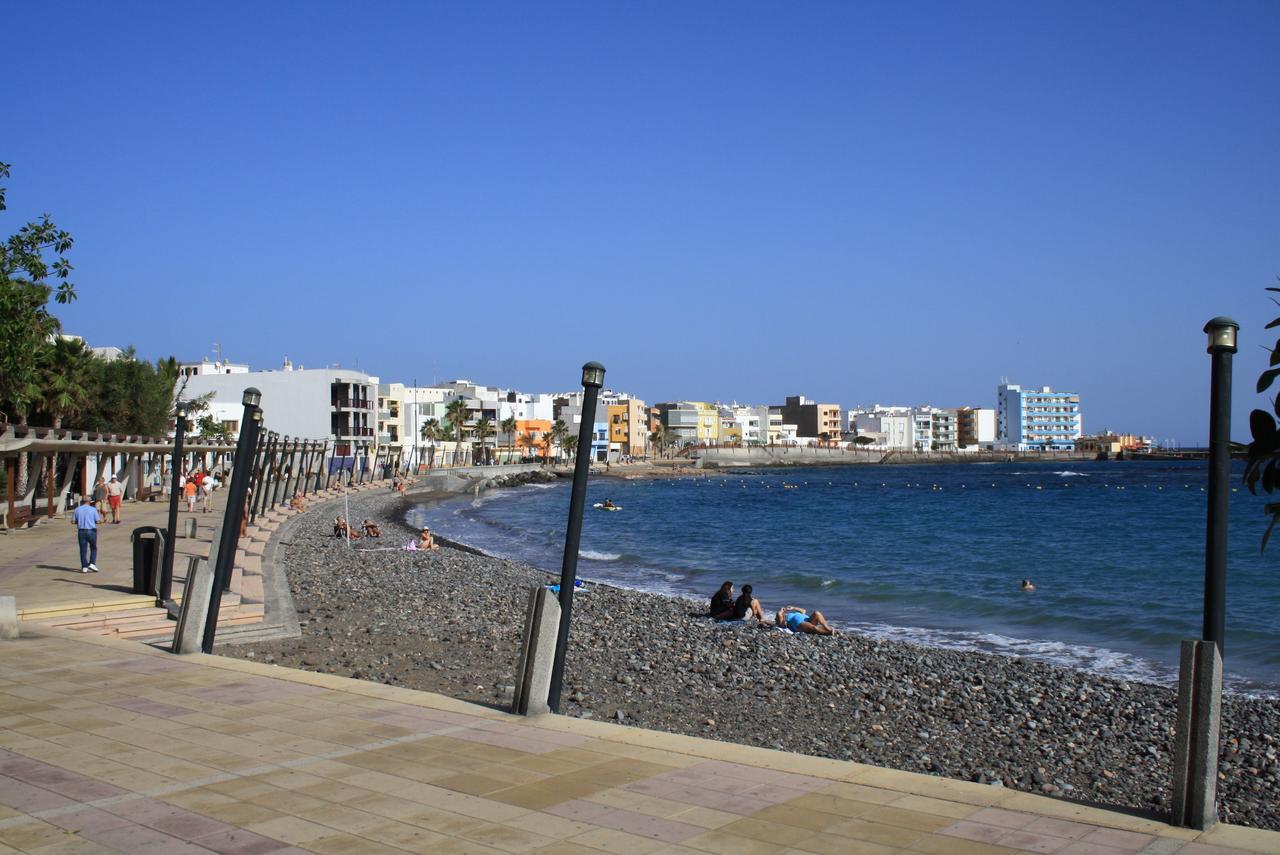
(659, 438)
(509, 427)
(570, 445)
(447, 434)
(456, 415)
(528, 442)
(484, 430)
(556, 435)
(430, 433)
(64, 379)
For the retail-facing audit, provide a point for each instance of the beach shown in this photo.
(450, 621)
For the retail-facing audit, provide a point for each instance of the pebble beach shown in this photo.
(450, 621)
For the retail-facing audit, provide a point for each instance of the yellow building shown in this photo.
(708, 422)
(628, 427)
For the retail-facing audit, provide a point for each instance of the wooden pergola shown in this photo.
(62, 453)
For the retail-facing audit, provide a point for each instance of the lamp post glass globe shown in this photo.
(252, 397)
(1222, 334)
(180, 409)
(593, 375)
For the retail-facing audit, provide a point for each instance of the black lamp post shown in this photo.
(1222, 345)
(165, 593)
(234, 513)
(592, 380)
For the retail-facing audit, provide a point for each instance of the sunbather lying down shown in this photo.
(797, 619)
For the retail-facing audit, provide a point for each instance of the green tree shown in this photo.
(65, 375)
(528, 442)
(1264, 449)
(208, 426)
(509, 427)
(456, 415)
(556, 436)
(484, 430)
(570, 446)
(430, 434)
(27, 259)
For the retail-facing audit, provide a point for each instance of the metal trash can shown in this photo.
(148, 548)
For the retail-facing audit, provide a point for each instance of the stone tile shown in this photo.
(237, 841)
(913, 819)
(770, 832)
(506, 838)
(1117, 839)
(1209, 849)
(1003, 818)
(1059, 827)
(876, 832)
(936, 807)
(978, 831)
(798, 817)
(720, 841)
(833, 844)
(1081, 847)
(134, 838)
(611, 840)
(31, 834)
(1032, 842)
(87, 819)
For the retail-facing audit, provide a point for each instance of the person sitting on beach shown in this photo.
(371, 529)
(722, 602)
(747, 605)
(296, 503)
(340, 527)
(426, 541)
(1027, 586)
(797, 619)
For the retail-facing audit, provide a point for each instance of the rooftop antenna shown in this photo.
(217, 349)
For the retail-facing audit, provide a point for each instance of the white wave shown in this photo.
(599, 556)
(1067, 473)
(1079, 657)
(827, 583)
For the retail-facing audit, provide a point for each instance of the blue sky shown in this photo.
(894, 203)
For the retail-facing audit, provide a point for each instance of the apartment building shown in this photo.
(975, 428)
(628, 427)
(1037, 420)
(319, 403)
(812, 420)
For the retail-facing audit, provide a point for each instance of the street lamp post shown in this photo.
(592, 380)
(1222, 345)
(1193, 800)
(165, 593)
(234, 513)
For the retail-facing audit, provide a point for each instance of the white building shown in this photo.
(336, 404)
(205, 367)
(890, 427)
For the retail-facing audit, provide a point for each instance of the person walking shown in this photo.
(87, 518)
(99, 492)
(115, 493)
(189, 490)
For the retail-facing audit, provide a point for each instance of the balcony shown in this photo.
(352, 404)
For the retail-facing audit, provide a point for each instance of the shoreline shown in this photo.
(450, 622)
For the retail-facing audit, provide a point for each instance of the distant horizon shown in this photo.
(851, 202)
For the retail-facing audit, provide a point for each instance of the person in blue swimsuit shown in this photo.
(797, 619)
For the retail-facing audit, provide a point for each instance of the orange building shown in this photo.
(538, 429)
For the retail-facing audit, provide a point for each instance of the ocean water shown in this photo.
(930, 554)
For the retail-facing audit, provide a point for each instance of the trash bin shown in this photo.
(148, 549)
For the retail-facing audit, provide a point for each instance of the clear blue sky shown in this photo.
(895, 203)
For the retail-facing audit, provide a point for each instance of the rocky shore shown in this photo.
(450, 621)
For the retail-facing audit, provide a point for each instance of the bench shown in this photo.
(145, 494)
(21, 517)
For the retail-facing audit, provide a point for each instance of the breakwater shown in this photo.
(800, 455)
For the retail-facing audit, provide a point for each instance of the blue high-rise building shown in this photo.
(1037, 420)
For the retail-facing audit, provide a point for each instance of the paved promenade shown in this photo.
(40, 566)
(111, 745)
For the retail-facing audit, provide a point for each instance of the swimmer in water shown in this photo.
(1027, 586)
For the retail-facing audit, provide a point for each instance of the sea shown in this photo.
(930, 554)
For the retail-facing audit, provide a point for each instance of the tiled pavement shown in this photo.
(108, 745)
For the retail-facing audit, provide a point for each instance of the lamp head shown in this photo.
(256, 415)
(252, 397)
(593, 375)
(1222, 334)
(180, 409)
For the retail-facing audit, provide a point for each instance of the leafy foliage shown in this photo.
(1264, 450)
(46, 379)
(26, 261)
